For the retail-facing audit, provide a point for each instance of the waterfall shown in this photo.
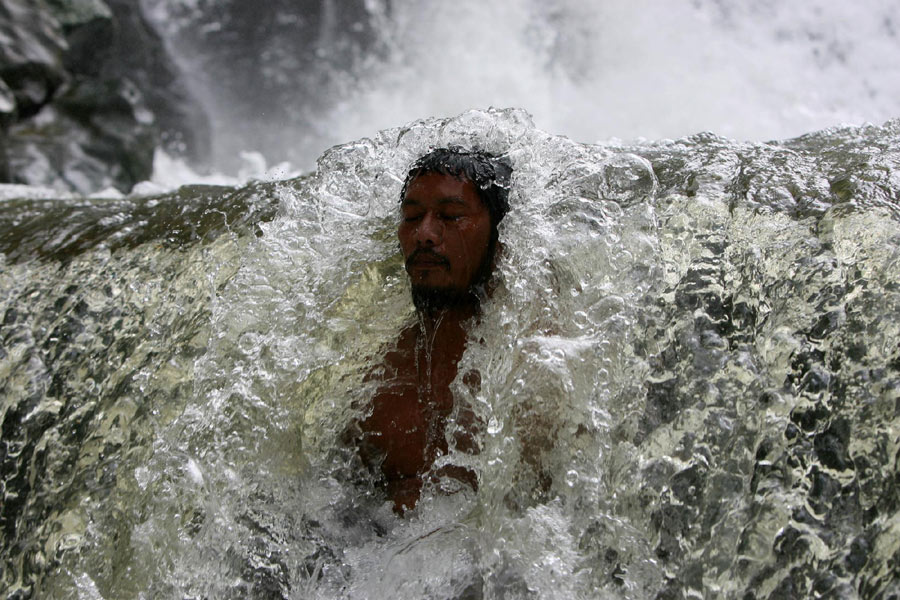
(688, 367)
(699, 337)
(295, 78)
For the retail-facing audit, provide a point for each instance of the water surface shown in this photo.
(689, 379)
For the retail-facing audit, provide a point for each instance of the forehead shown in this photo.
(443, 188)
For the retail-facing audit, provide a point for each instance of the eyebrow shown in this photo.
(441, 201)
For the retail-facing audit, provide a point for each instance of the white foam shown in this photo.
(13, 191)
(170, 173)
(653, 69)
(591, 70)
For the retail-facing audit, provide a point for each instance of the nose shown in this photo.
(429, 231)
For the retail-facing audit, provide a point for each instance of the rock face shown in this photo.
(87, 92)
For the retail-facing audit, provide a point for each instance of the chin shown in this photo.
(431, 298)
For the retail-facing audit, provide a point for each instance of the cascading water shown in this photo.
(690, 379)
(295, 77)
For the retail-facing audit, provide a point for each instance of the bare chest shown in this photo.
(405, 430)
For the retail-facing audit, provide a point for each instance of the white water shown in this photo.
(699, 337)
(653, 69)
(596, 70)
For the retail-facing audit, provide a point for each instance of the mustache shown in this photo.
(429, 255)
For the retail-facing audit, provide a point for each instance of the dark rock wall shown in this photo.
(87, 93)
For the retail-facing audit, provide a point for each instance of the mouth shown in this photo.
(425, 259)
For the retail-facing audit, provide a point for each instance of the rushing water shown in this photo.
(690, 379)
(290, 78)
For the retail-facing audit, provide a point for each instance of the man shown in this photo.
(451, 204)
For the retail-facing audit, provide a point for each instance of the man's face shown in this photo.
(444, 234)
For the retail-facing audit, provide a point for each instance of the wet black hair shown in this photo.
(489, 173)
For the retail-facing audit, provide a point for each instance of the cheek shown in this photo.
(474, 242)
(404, 235)
(479, 235)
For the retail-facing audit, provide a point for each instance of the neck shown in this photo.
(443, 323)
(440, 343)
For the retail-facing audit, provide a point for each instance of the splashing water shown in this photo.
(588, 69)
(689, 379)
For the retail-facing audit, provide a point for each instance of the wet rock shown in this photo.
(31, 50)
(73, 13)
(7, 102)
(88, 93)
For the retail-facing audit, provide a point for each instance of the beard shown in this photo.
(430, 299)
